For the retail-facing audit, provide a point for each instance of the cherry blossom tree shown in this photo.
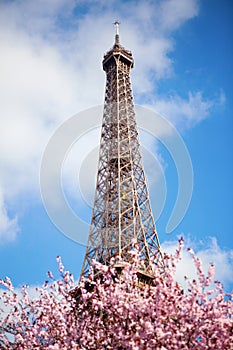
(119, 311)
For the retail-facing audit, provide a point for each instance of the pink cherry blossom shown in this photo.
(119, 311)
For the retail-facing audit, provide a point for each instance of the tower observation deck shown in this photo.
(122, 212)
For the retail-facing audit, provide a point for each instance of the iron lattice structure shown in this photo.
(122, 211)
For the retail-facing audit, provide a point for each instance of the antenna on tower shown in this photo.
(117, 39)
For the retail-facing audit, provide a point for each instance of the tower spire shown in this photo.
(117, 38)
(122, 212)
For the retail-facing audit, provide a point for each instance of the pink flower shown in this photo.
(110, 313)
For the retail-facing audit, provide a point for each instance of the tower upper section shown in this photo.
(121, 213)
(118, 55)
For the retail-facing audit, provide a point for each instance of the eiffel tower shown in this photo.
(122, 212)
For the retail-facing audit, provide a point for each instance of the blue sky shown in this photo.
(51, 58)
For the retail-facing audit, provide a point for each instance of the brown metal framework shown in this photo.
(122, 211)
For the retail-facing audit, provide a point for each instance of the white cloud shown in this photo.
(208, 252)
(29, 112)
(173, 13)
(8, 226)
(184, 113)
